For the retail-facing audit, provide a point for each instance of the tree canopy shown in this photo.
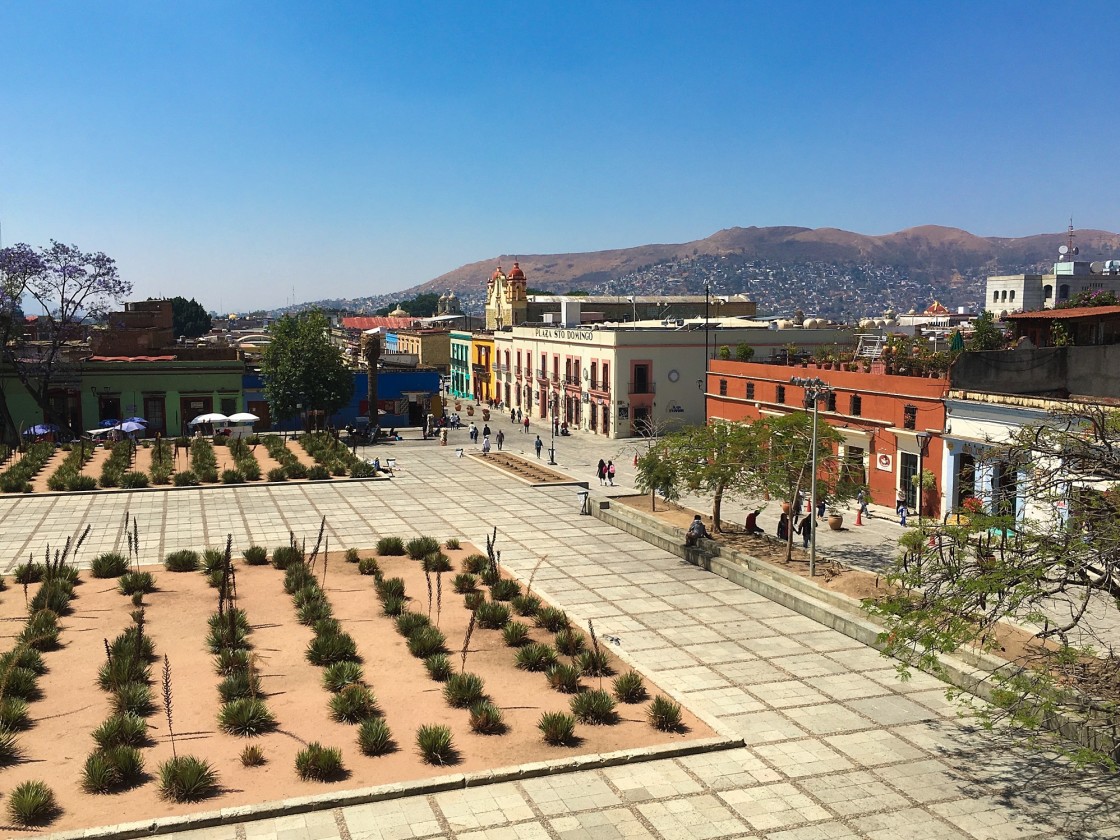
(423, 305)
(1054, 568)
(301, 367)
(985, 334)
(190, 319)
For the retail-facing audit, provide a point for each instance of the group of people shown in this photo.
(605, 472)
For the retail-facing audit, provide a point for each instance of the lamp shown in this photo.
(923, 439)
(815, 388)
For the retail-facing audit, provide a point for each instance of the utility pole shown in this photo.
(815, 388)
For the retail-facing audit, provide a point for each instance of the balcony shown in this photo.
(571, 380)
(556, 376)
(517, 371)
(542, 374)
(641, 388)
(602, 387)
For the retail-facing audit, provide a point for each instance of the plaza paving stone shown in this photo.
(836, 746)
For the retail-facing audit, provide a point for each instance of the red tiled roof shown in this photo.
(370, 322)
(131, 359)
(1063, 314)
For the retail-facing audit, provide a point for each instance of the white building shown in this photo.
(1029, 292)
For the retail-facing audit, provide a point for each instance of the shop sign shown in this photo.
(884, 462)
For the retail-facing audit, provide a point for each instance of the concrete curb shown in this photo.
(170, 488)
(396, 790)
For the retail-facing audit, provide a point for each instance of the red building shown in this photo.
(883, 419)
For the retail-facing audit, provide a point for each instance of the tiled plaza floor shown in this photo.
(837, 747)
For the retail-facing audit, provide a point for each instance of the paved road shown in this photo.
(837, 747)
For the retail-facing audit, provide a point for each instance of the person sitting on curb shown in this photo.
(752, 522)
(696, 532)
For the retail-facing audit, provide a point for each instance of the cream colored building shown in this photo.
(431, 347)
(623, 381)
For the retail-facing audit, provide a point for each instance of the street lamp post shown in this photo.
(707, 299)
(552, 442)
(815, 388)
(923, 449)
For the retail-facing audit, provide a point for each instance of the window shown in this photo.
(750, 390)
(780, 394)
(228, 405)
(1012, 295)
(606, 379)
(910, 417)
(1063, 291)
(1047, 292)
(723, 387)
(995, 296)
(594, 375)
(831, 406)
(855, 408)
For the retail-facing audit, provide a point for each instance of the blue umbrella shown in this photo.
(108, 424)
(41, 429)
(139, 420)
(128, 427)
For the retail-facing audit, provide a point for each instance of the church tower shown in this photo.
(506, 301)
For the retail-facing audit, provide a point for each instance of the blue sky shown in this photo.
(244, 152)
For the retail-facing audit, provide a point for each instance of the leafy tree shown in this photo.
(424, 305)
(657, 474)
(1055, 568)
(744, 352)
(985, 334)
(302, 367)
(70, 289)
(576, 293)
(189, 318)
(530, 290)
(1097, 297)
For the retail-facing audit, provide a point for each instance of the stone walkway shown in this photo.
(837, 746)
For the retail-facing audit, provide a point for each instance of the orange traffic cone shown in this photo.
(859, 516)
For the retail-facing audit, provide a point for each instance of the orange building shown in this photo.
(882, 418)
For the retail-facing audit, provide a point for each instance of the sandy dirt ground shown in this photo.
(72, 706)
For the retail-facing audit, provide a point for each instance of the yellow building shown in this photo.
(431, 347)
(482, 365)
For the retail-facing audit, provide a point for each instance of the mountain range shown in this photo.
(822, 271)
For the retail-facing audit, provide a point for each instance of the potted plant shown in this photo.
(835, 519)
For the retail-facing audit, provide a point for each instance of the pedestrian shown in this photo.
(556, 425)
(526, 424)
(820, 508)
(486, 430)
(806, 530)
(538, 445)
(861, 500)
(601, 471)
(797, 500)
(610, 473)
(512, 415)
(751, 525)
(501, 437)
(472, 432)
(900, 505)
(486, 445)
(519, 415)
(783, 526)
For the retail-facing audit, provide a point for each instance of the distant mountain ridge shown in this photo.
(826, 271)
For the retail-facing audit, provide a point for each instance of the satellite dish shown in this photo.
(1063, 249)
(1097, 267)
(1076, 250)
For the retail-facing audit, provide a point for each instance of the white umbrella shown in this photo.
(243, 417)
(214, 417)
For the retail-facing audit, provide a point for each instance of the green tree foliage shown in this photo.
(986, 335)
(1055, 569)
(189, 318)
(657, 475)
(424, 305)
(743, 352)
(302, 367)
(1097, 297)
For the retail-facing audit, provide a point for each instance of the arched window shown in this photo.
(995, 296)
(1047, 292)
(1063, 291)
(1012, 295)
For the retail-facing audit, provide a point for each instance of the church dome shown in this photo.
(516, 273)
(398, 313)
(451, 295)
(497, 275)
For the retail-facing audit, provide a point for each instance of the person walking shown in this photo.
(519, 415)
(486, 431)
(538, 445)
(820, 507)
(861, 500)
(610, 473)
(805, 529)
(900, 506)
(513, 415)
(525, 423)
(472, 431)
(797, 500)
(486, 446)
(501, 438)
(601, 471)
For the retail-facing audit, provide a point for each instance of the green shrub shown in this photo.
(250, 470)
(564, 678)
(439, 667)
(224, 637)
(665, 715)
(213, 559)
(134, 480)
(486, 719)
(392, 606)
(21, 684)
(23, 657)
(238, 616)
(40, 631)
(475, 563)
(536, 657)
(473, 600)
(122, 670)
(552, 619)
(53, 595)
(111, 564)
(426, 641)
(231, 660)
(515, 634)
(338, 675)
(32, 803)
(451, 544)
(461, 691)
(82, 482)
(186, 478)
(408, 622)
(435, 745)
(187, 779)
(353, 704)
(352, 555)
(362, 470)
(505, 590)
(326, 650)
(10, 751)
(463, 583)
(296, 575)
(127, 730)
(594, 663)
(133, 643)
(314, 610)
(630, 687)
(369, 566)
(247, 716)
(233, 477)
(570, 642)
(285, 556)
(419, 547)
(256, 555)
(133, 699)
(277, 474)
(558, 729)
(374, 737)
(296, 470)
(318, 473)
(435, 562)
(318, 763)
(28, 573)
(98, 775)
(390, 547)
(131, 583)
(252, 756)
(129, 763)
(594, 707)
(238, 685)
(492, 615)
(185, 560)
(490, 575)
(390, 588)
(13, 714)
(327, 627)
